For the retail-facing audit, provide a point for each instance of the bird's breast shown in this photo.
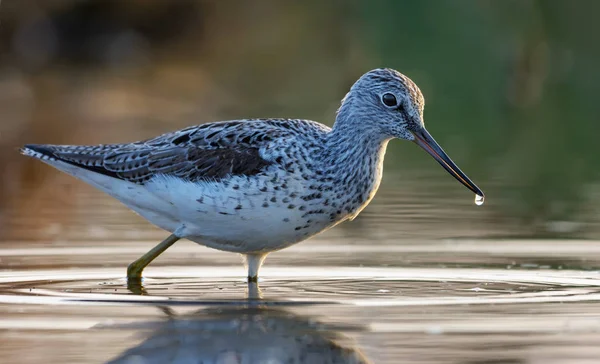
(358, 184)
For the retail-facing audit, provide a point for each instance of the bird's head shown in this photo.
(387, 104)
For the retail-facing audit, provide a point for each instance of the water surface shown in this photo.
(439, 301)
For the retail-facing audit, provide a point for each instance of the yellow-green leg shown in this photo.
(134, 270)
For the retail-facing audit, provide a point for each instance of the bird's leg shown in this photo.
(253, 262)
(134, 285)
(254, 292)
(134, 270)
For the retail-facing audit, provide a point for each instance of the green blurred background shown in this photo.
(511, 90)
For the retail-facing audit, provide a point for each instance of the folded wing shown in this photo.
(193, 154)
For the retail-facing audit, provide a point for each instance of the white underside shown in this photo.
(209, 212)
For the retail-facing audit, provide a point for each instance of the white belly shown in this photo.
(234, 216)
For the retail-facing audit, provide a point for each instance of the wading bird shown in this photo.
(258, 185)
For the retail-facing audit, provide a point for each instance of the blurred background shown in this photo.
(511, 92)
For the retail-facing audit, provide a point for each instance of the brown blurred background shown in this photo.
(510, 85)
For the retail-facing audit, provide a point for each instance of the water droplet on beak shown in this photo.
(479, 200)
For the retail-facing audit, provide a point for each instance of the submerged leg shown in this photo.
(134, 270)
(254, 292)
(253, 263)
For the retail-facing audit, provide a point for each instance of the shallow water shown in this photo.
(448, 301)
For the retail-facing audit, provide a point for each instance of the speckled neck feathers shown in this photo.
(354, 154)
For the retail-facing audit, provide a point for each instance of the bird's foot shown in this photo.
(135, 286)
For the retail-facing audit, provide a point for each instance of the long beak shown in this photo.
(426, 141)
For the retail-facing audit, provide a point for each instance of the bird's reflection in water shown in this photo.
(252, 331)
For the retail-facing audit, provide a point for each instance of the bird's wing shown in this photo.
(209, 151)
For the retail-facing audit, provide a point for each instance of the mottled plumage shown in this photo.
(258, 185)
(209, 151)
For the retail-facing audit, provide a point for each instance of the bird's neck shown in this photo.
(354, 156)
(349, 146)
(352, 140)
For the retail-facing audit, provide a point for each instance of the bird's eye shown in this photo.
(389, 100)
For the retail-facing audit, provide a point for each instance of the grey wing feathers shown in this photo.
(211, 151)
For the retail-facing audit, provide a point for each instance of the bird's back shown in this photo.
(208, 151)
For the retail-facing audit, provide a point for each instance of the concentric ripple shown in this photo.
(354, 286)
